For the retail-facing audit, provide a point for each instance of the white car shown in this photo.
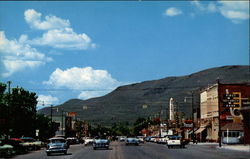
(175, 141)
(88, 141)
(57, 145)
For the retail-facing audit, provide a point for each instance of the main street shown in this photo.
(118, 150)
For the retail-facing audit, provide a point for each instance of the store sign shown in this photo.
(229, 117)
(72, 114)
(232, 100)
(188, 125)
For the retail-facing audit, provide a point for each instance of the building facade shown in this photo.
(221, 118)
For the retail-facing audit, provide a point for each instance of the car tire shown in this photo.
(65, 152)
(48, 154)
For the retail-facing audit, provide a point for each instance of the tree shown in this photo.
(140, 124)
(3, 110)
(18, 114)
(22, 112)
(44, 126)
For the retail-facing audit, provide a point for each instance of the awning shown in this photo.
(190, 132)
(199, 130)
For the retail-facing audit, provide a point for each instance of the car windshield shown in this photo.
(58, 141)
(130, 139)
(174, 137)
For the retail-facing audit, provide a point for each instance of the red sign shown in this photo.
(72, 114)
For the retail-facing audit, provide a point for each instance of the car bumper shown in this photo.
(58, 150)
(101, 146)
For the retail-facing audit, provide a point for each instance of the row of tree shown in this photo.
(18, 115)
(123, 129)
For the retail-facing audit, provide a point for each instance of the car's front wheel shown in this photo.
(48, 154)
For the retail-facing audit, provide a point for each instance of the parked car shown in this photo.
(18, 146)
(141, 139)
(88, 141)
(122, 138)
(31, 143)
(6, 150)
(101, 143)
(147, 139)
(132, 141)
(175, 141)
(57, 145)
(72, 140)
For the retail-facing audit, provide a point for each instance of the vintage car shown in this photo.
(132, 141)
(101, 143)
(31, 143)
(175, 141)
(88, 141)
(18, 145)
(122, 138)
(72, 140)
(57, 145)
(141, 139)
(5, 149)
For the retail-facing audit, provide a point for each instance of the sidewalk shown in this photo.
(240, 147)
(245, 148)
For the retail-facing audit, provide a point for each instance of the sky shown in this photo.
(85, 49)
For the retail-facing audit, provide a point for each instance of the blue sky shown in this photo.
(64, 50)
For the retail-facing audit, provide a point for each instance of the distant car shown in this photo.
(141, 139)
(101, 143)
(57, 145)
(88, 141)
(132, 141)
(122, 138)
(72, 140)
(175, 141)
(31, 143)
(147, 139)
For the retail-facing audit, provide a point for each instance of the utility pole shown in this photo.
(219, 123)
(51, 126)
(193, 116)
(62, 122)
(8, 123)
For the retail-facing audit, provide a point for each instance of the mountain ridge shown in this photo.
(125, 103)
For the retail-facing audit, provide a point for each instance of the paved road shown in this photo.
(119, 150)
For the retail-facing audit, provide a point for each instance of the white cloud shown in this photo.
(17, 56)
(33, 18)
(46, 100)
(210, 7)
(173, 12)
(64, 39)
(90, 94)
(198, 5)
(59, 33)
(95, 82)
(235, 10)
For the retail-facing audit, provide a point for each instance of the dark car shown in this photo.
(101, 143)
(132, 141)
(18, 145)
(57, 145)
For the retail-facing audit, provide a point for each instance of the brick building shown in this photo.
(231, 103)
